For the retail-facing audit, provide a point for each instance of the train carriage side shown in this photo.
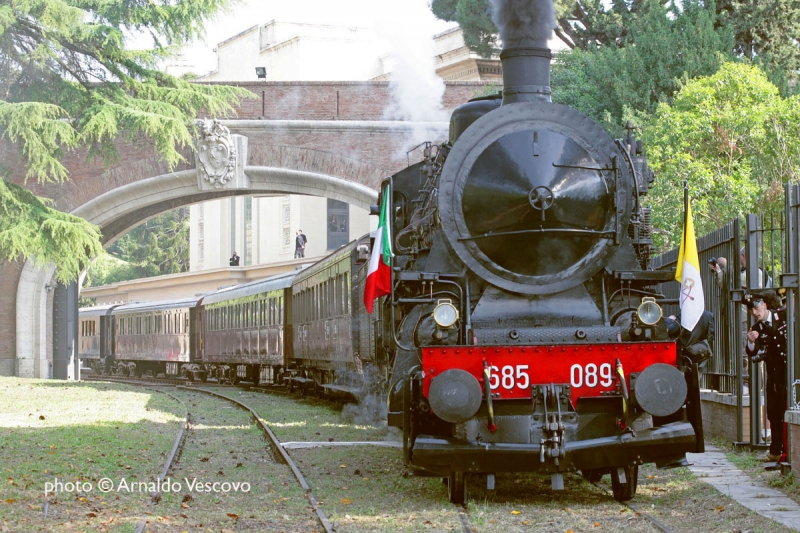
(156, 337)
(96, 336)
(243, 330)
(326, 351)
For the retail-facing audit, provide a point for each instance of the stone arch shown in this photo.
(122, 208)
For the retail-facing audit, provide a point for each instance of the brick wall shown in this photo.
(719, 416)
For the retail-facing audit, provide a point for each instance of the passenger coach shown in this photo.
(159, 337)
(244, 328)
(335, 339)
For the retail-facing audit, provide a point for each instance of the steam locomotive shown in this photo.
(522, 331)
(523, 317)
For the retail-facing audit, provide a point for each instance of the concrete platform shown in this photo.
(716, 470)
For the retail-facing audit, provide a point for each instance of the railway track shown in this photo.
(523, 493)
(276, 449)
(280, 452)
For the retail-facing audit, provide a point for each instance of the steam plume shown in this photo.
(524, 23)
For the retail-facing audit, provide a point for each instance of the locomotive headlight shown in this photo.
(445, 314)
(649, 312)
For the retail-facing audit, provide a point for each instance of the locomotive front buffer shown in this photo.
(594, 421)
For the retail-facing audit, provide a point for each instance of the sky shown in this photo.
(390, 17)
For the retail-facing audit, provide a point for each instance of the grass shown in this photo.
(79, 433)
(294, 418)
(222, 446)
(86, 431)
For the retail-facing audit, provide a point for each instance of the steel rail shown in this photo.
(653, 520)
(281, 452)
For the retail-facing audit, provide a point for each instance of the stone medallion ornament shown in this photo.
(216, 152)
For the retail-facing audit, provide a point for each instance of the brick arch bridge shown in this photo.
(325, 139)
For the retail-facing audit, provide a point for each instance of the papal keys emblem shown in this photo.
(216, 152)
(686, 290)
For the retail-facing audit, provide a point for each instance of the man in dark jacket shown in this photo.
(234, 260)
(695, 344)
(300, 244)
(766, 341)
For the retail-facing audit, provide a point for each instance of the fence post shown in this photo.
(789, 279)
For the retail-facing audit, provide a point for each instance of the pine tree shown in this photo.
(68, 81)
(614, 83)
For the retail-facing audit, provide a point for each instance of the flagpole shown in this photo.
(685, 206)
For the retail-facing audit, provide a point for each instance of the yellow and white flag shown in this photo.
(688, 273)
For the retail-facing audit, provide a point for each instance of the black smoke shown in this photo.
(524, 23)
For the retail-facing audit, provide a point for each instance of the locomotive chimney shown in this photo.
(526, 74)
(525, 27)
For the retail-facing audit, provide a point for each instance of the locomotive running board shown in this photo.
(649, 445)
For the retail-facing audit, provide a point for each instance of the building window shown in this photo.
(201, 236)
(248, 231)
(286, 223)
(338, 224)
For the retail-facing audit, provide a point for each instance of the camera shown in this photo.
(712, 261)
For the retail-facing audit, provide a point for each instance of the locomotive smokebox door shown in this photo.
(534, 199)
(455, 395)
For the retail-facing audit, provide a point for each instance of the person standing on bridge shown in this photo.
(300, 244)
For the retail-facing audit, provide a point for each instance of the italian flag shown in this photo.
(379, 276)
(688, 274)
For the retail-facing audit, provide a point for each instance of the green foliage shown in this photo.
(156, 247)
(733, 138)
(612, 83)
(67, 80)
(30, 228)
(766, 32)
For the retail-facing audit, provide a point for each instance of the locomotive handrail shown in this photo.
(540, 230)
(582, 167)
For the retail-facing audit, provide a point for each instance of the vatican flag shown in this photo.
(688, 273)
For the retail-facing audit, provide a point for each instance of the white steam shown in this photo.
(406, 30)
(524, 23)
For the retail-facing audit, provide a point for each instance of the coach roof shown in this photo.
(273, 283)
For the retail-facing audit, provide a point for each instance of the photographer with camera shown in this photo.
(766, 341)
(718, 265)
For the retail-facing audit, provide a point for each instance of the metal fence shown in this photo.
(764, 242)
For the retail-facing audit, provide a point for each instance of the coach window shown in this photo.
(280, 310)
(323, 296)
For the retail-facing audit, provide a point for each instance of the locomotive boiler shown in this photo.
(524, 312)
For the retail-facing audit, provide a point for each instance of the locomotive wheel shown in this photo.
(457, 488)
(625, 491)
(592, 475)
